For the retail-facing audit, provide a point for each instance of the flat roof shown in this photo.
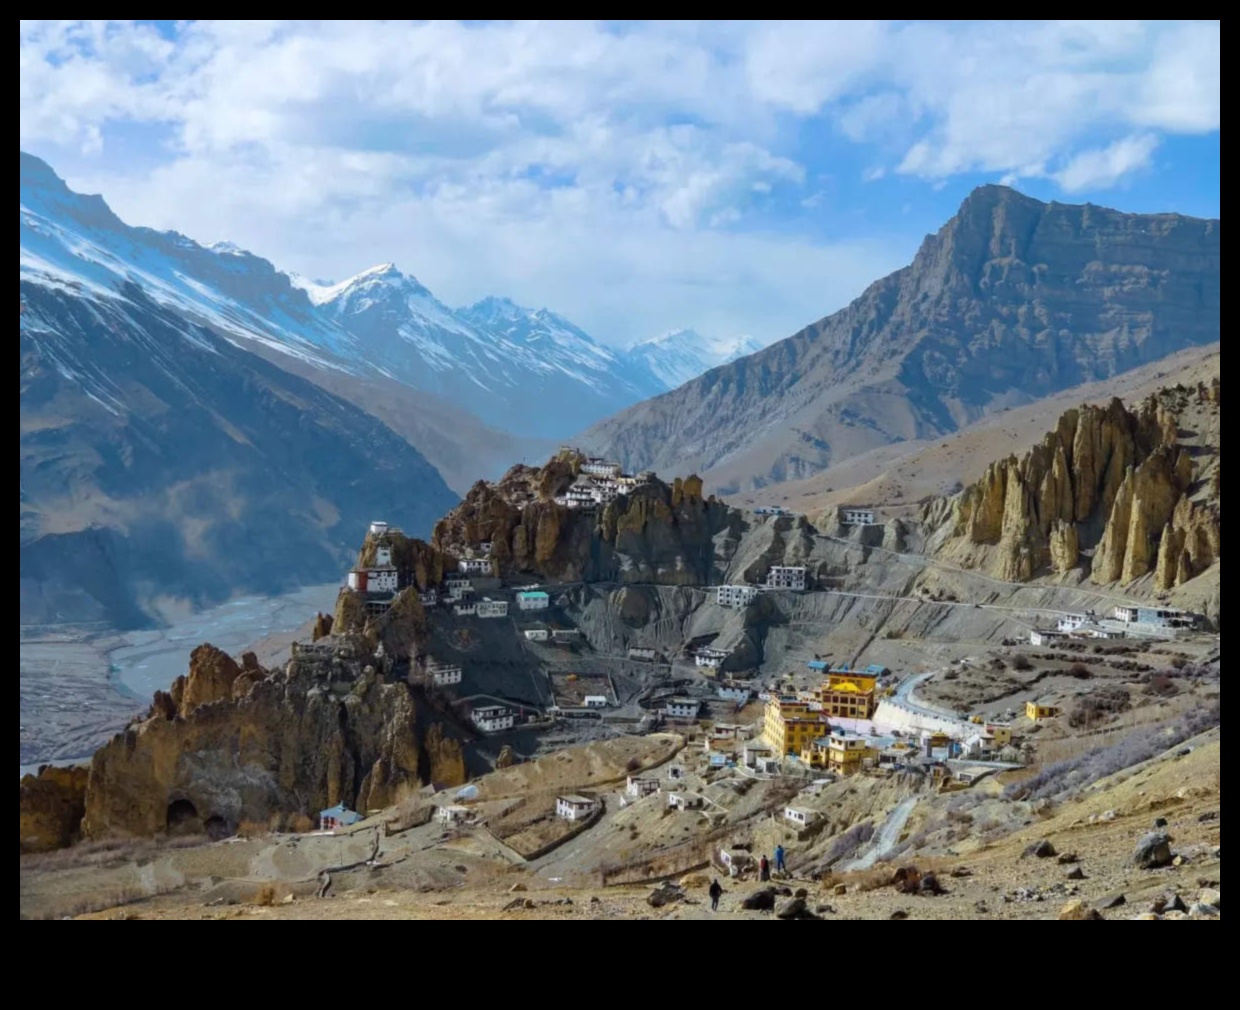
(532, 593)
(576, 800)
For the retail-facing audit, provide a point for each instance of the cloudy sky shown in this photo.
(733, 177)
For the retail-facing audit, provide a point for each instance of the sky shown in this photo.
(636, 177)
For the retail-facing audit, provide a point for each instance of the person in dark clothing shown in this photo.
(779, 859)
(764, 869)
(716, 891)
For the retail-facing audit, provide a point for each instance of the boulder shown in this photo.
(1114, 901)
(1065, 858)
(793, 908)
(1210, 896)
(1153, 851)
(929, 885)
(1042, 849)
(665, 894)
(899, 913)
(761, 900)
(1078, 910)
(1076, 873)
(1200, 910)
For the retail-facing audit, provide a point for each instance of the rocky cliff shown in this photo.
(1114, 492)
(233, 742)
(1011, 300)
(668, 534)
(50, 808)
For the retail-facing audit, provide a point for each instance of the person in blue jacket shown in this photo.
(779, 859)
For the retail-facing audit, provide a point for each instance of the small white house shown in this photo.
(1071, 622)
(799, 816)
(566, 636)
(429, 597)
(736, 596)
(445, 674)
(600, 468)
(643, 655)
(475, 566)
(739, 693)
(684, 801)
(786, 577)
(681, 708)
(1044, 636)
(851, 515)
(709, 657)
(574, 807)
(533, 600)
(754, 752)
(595, 701)
(536, 634)
(493, 718)
(492, 608)
(378, 528)
(636, 787)
(453, 814)
(465, 609)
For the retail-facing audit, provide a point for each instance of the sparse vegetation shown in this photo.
(1021, 662)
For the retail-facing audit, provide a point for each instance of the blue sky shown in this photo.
(735, 177)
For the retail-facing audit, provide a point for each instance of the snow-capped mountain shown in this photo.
(676, 357)
(162, 462)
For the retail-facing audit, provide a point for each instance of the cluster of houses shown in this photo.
(600, 481)
(739, 596)
(1148, 622)
(709, 657)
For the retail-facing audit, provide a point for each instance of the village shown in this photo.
(799, 731)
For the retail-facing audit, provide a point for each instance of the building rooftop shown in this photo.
(576, 799)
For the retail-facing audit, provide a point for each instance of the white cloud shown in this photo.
(623, 174)
(1103, 167)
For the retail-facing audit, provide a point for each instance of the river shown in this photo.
(152, 660)
(76, 691)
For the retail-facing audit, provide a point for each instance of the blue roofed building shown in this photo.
(338, 816)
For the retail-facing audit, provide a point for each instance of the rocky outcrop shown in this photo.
(322, 627)
(1112, 490)
(330, 727)
(51, 807)
(657, 533)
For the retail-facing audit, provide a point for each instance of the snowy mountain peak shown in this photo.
(385, 275)
(677, 356)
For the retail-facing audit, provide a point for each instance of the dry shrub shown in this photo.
(252, 829)
(265, 895)
(1021, 662)
(301, 823)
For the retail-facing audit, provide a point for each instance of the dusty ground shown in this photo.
(1000, 883)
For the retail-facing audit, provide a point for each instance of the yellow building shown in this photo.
(1036, 711)
(790, 725)
(847, 695)
(1000, 733)
(847, 752)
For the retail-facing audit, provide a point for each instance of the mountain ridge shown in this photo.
(1011, 300)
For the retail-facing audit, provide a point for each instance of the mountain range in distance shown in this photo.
(177, 399)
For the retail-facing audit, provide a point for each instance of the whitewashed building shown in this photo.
(475, 566)
(378, 528)
(465, 609)
(493, 718)
(536, 634)
(637, 787)
(736, 596)
(643, 655)
(1071, 622)
(596, 467)
(378, 579)
(681, 708)
(786, 577)
(453, 814)
(799, 816)
(574, 807)
(709, 657)
(429, 597)
(533, 599)
(854, 515)
(445, 674)
(684, 801)
(486, 607)
(595, 701)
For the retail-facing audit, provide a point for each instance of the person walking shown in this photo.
(779, 859)
(716, 891)
(764, 869)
